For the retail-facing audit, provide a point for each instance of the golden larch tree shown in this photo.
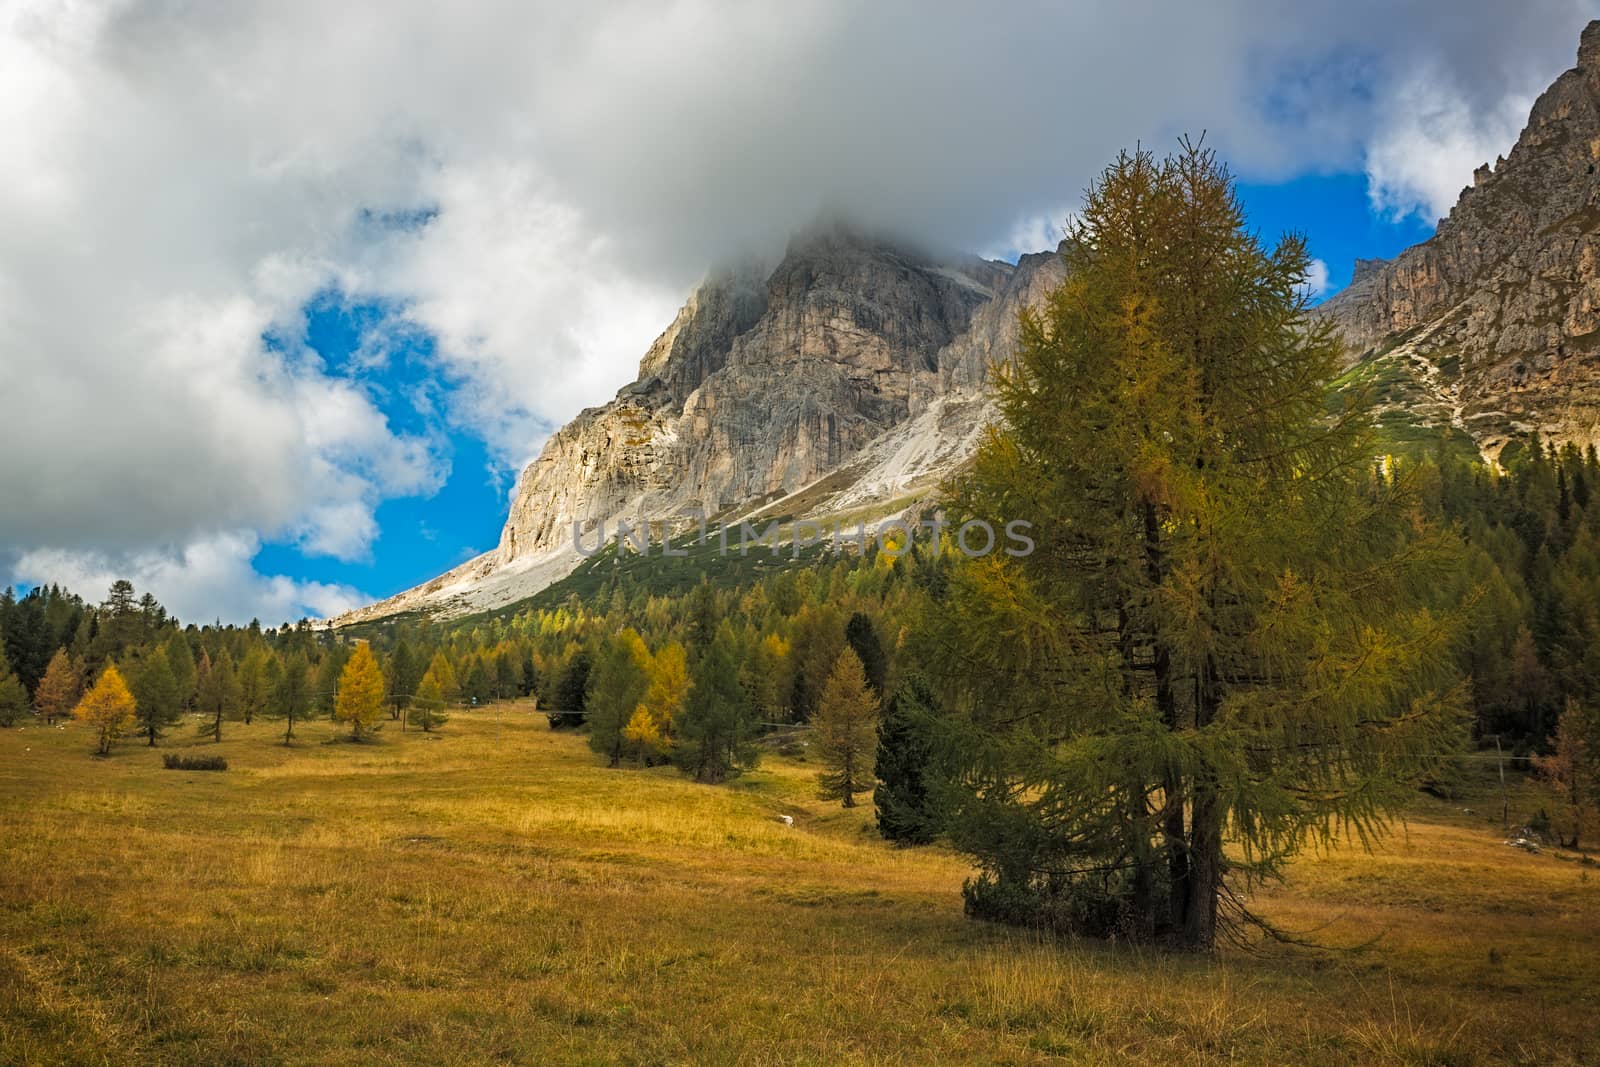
(360, 698)
(109, 708)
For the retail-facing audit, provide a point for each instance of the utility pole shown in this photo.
(1505, 798)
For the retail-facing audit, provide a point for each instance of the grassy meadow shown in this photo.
(490, 894)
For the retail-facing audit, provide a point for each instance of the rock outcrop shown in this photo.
(1496, 318)
(856, 361)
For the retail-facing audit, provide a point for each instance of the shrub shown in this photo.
(174, 762)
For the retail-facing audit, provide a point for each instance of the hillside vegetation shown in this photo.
(492, 893)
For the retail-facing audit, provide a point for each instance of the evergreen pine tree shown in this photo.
(862, 636)
(905, 764)
(155, 694)
(715, 726)
(616, 690)
(572, 695)
(13, 696)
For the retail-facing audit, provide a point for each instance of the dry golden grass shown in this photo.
(494, 896)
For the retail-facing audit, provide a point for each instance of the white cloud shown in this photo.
(208, 579)
(1430, 141)
(1316, 281)
(177, 179)
(533, 307)
(1033, 232)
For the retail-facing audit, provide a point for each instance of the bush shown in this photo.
(174, 762)
(1096, 907)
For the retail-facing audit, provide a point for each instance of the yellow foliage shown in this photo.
(643, 732)
(108, 707)
(360, 698)
(669, 684)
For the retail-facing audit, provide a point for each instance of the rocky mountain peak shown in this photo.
(1589, 47)
(857, 358)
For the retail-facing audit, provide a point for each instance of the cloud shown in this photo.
(1431, 142)
(534, 309)
(535, 186)
(211, 578)
(1316, 282)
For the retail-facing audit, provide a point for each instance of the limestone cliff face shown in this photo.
(1499, 313)
(992, 337)
(757, 389)
(854, 359)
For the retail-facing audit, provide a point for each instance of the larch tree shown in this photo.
(108, 708)
(768, 678)
(255, 683)
(428, 703)
(845, 731)
(403, 673)
(217, 696)
(445, 675)
(292, 698)
(180, 659)
(57, 693)
(642, 736)
(1573, 765)
(155, 694)
(329, 668)
(1223, 627)
(360, 697)
(649, 729)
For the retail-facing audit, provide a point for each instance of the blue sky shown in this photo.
(420, 536)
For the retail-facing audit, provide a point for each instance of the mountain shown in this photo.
(1492, 326)
(849, 378)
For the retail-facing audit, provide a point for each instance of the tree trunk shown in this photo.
(1172, 829)
(1205, 831)
(1177, 853)
(1205, 871)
